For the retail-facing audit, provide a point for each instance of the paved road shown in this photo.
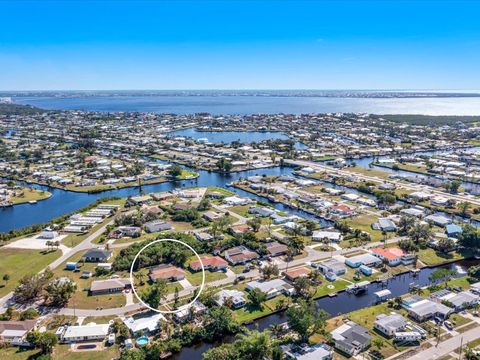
(447, 346)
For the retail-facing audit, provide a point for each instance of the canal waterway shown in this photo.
(342, 303)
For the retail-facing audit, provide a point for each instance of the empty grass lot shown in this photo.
(18, 263)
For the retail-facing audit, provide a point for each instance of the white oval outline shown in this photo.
(167, 311)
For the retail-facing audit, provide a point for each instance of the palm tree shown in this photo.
(277, 330)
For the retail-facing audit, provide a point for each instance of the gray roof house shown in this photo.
(422, 309)
(351, 338)
(237, 298)
(157, 226)
(390, 324)
(97, 255)
(332, 266)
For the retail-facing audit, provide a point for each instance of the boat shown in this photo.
(32, 202)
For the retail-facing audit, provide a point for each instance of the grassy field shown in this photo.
(64, 352)
(30, 194)
(81, 299)
(364, 223)
(14, 353)
(324, 289)
(18, 263)
(430, 256)
(195, 278)
(369, 172)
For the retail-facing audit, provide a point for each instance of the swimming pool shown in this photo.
(142, 341)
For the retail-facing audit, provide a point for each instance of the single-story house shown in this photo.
(332, 266)
(157, 226)
(108, 286)
(276, 249)
(203, 236)
(261, 211)
(459, 301)
(438, 219)
(89, 332)
(415, 212)
(272, 288)
(237, 201)
(332, 236)
(292, 274)
(214, 263)
(390, 324)
(422, 309)
(392, 255)
(167, 272)
(240, 229)
(97, 255)
(211, 215)
(453, 230)
(240, 255)
(184, 311)
(384, 224)
(363, 259)
(145, 324)
(351, 338)
(307, 352)
(15, 332)
(236, 297)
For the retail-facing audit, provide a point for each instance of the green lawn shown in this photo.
(14, 353)
(63, 352)
(324, 289)
(195, 278)
(364, 222)
(30, 194)
(18, 263)
(429, 256)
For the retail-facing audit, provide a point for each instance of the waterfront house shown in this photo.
(351, 338)
(293, 274)
(458, 301)
(393, 255)
(390, 324)
(144, 323)
(421, 309)
(439, 220)
(184, 312)
(235, 297)
(166, 272)
(363, 259)
(272, 288)
(332, 266)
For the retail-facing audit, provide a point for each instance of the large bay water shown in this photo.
(261, 104)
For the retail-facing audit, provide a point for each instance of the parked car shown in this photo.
(448, 325)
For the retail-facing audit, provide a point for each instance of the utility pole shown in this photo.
(461, 348)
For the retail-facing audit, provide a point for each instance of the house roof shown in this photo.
(214, 261)
(298, 272)
(102, 285)
(389, 253)
(86, 330)
(16, 328)
(97, 253)
(149, 323)
(166, 271)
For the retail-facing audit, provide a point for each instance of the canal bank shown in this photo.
(343, 303)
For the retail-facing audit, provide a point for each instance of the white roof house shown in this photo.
(90, 331)
(148, 323)
(319, 235)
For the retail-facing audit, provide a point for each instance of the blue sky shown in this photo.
(239, 45)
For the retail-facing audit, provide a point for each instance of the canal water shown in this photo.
(62, 202)
(228, 137)
(341, 304)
